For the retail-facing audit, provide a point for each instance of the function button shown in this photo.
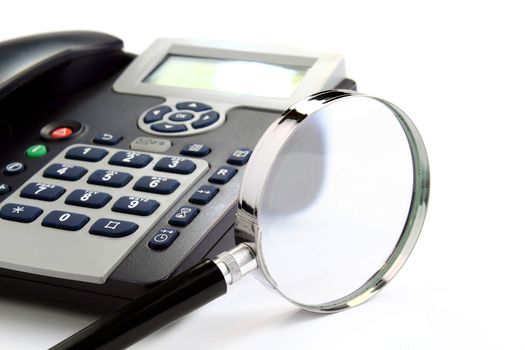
(64, 220)
(184, 216)
(109, 178)
(156, 184)
(14, 168)
(149, 144)
(204, 194)
(89, 199)
(135, 206)
(193, 106)
(4, 189)
(61, 133)
(175, 165)
(166, 127)
(240, 156)
(87, 154)
(223, 175)
(36, 151)
(206, 119)
(181, 117)
(113, 228)
(65, 172)
(20, 213)
(107, 139)
(43, 192)
(163, 238)
(195, 150)
(130, 159)
(156, 114)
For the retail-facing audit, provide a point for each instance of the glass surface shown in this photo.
(336, 201)
(233, 76)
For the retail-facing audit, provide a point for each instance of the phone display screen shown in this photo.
(228, 75)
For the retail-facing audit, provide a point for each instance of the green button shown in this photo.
(36, 151)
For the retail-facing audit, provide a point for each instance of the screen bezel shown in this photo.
(326, 71)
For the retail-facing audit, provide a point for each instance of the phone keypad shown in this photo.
(106, 209)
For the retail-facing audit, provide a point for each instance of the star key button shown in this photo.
(20, 212)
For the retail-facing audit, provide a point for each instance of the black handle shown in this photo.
(162, 305)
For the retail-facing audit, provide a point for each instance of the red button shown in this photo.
(61, 133)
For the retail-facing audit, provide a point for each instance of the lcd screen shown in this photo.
(227, 75)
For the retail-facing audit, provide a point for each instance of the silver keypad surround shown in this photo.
(79, 255)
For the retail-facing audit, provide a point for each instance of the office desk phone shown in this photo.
(118, 171)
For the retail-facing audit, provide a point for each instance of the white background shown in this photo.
(457, 68)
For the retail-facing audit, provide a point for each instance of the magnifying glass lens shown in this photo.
(336, 201)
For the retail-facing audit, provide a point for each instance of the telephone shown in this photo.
(119, 171)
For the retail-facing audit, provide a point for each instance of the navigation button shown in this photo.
(113, 228)
(181, 117)
(64, 220)
(206, 119)
(20, 213)
(193, 106)
(184, 216)
(167, 128)
(43, 192)
(163, 238)
(86, 153)
(107, 139)
(14, 168)
(156, 114)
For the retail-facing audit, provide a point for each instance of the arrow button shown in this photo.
(193, 106)
(156, 114)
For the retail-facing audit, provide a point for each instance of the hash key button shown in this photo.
(204, 194)
(184, 216)
(88, 199)
(109, 178)
(87, 154)
(156, 184)
(64, 220)
(163, 239)
(223, 175)
(175, 165)
(130, 159)
(65, 172)
(43, 192)
(113, 228)
(20, 213)
(135, 206)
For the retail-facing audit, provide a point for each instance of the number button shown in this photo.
(223, 175)
(156, 184)
(113, 228)
(204, 194)
(65, 172)
(43, 192)
(163, 238)
(89, 199)
(64, 220)
(20, 212)
(135, 206)
(87, 154)
(109, 178)
(130, 159)
(184, 216)
(175, 165)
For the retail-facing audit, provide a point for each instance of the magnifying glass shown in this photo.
(331, 205)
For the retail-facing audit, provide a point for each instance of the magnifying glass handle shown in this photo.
(159, 307)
